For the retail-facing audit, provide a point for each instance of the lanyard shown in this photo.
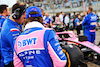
(18, 28)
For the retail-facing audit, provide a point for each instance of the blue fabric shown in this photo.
(88, 23)
(2, 19)
(7, 38)
(20, 26)
(44, 55)
(33, 8)
(76, 20)
(47, 20)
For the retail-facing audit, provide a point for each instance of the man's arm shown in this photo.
(12, 35)
(84, 20)
(78, 22)
(58, 57)
(17, 61)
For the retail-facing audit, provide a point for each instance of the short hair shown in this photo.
(57, 14)
(2, 8)
(42, 10)
(90, 8)
(17, 5)
(77, 15)
(61, 12)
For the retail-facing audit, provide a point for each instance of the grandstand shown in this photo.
(68, 6)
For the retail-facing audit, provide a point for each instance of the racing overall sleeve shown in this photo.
(12, 37)
(7, 49)
(17, 61)
(1, 23)
(58, 57)
(85, 20)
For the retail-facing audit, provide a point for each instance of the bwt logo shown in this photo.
(93, 18)
(25, 42)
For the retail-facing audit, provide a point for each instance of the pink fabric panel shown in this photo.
(39, 42)
(17, 61)
(57, 20)
(56, 60)
(92, 30)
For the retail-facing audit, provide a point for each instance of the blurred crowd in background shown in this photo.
(65, 3)
(66, 19)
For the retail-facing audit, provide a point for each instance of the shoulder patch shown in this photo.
(14, 29)
(2, 17)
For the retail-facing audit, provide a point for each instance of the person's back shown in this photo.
(35, 52)
(91, 21)
(57, 20)
(38, 46)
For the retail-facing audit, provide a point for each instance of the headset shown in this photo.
(18, 12)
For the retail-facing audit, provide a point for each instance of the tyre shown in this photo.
(73, 54)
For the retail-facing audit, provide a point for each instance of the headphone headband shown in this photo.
(18, 12)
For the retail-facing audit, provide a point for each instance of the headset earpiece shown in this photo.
(16, 15)
(18, 12)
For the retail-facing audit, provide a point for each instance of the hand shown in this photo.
(80, 22)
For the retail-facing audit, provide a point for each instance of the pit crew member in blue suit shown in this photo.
(90, 23)
(4, 12)
(10, 31)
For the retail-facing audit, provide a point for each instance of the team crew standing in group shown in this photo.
(10, 31)
(90, 23)
(37, 46)
(4, 12)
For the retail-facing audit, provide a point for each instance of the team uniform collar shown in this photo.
(14, 23)
(33, 25)
(2, 16)
(91, 13)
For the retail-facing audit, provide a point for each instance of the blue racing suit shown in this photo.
(2, 19)
(9, 33)
(38, 47)
(47, 20)
(76, 20)
(90, 23)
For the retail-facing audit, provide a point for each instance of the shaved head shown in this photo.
(46, 14)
